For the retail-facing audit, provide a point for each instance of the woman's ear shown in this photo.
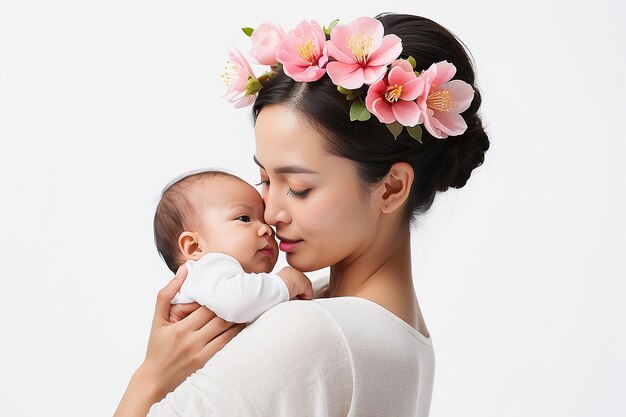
(189, 245)
(394, 189)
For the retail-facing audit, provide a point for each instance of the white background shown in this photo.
(520, 274)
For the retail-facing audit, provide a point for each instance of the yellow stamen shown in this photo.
(440, 100)
(230, 71)
(393, 93)
(307, 51)
(360, 47)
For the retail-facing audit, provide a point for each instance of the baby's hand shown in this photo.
(297, 283)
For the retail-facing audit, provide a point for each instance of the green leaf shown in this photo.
(353, 95)
(248, 31)
(415, 132)
(343, 90)
(253, 86)
(412, 61)
(359, 112)
(332, 25)
(395, 128)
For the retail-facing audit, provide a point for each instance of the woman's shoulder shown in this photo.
(341, 318)
(306, 318)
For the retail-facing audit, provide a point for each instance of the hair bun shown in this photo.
(465, 152)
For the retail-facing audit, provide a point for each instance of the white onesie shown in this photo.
(219, 282)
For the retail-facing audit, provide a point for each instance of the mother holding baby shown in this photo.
(357, 127)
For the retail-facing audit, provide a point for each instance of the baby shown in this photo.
(213, 222)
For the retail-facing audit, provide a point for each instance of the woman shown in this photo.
(343, 194)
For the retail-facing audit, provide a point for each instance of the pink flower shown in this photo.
(443, 100)
(303, 52)
(361, 52)
(236, 74)
(265, 40)
(393, 97)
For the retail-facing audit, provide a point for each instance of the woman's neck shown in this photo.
(384, 267)
(382, 274)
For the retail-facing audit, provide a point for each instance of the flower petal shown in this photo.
(310, 74)
(412, 89)
(389, 49)
(338, 44)
(318, 34)
(402, 63)
(370, 28)
(373, 74)
(246, 101)
(427, 115)
(462, 94)
(450, 123)
(382, 110)
(238, 58)
(376, 91)
(406, 112)
(398, 75)
(445, 72)
(345, 75)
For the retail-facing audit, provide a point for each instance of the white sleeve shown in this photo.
(293, 361)
(218, 282)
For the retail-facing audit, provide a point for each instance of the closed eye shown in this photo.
(298, 194)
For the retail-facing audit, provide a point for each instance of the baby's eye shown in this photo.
(244, 218)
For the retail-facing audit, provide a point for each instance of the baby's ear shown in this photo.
(189, 245)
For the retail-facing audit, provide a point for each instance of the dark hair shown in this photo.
(176, 212)
(437, 163)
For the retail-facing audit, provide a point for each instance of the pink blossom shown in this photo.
(393, 97)
(236, 74)
(265, 40)
(443, 100)
(303, 52)
(361, 51)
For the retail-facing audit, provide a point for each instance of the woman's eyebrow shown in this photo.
(291, 169)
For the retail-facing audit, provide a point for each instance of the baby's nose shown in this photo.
(265, 229)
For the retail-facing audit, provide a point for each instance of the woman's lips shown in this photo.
(287, 245)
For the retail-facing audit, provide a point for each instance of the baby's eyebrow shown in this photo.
(291, 169)
(243, 206)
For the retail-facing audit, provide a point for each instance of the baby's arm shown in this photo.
(297, 283)
(218, 282)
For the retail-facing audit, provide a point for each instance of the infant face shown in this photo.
(231, 222)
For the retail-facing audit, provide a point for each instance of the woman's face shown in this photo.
(311, 197)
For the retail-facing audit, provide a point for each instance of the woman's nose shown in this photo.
(274, 212)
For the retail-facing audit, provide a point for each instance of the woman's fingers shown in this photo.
(213, 329)
(162, 309)
(199, 318)
(218, 342)
(180, 311)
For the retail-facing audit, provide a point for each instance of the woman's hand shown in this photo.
(181, 341)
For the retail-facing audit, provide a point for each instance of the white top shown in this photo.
(326, 357)
(218, 282)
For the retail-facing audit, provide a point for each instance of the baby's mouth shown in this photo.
(267, 250)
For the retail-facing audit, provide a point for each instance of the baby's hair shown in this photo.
(176, 212)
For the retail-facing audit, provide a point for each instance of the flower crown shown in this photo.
(355, 56)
